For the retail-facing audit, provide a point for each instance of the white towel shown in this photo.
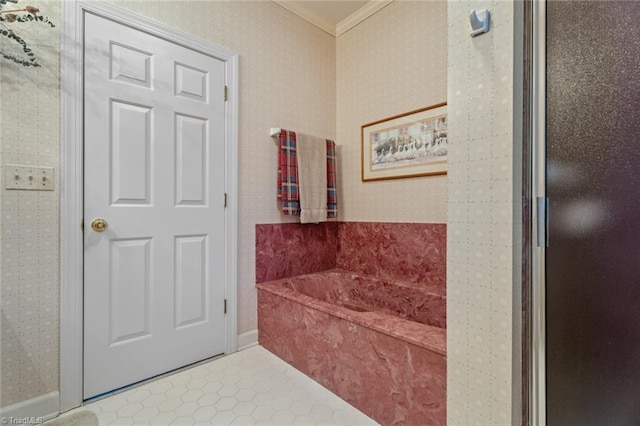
(312, 178)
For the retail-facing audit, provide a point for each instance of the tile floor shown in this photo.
(251, 387)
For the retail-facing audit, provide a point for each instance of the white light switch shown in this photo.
(31, 178)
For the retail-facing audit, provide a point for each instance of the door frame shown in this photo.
(539, 218)
(72, 181)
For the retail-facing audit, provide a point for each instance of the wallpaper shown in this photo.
(392, 63)
(29, 221)
(483, 218)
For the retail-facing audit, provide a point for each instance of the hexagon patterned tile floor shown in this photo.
(251, 387)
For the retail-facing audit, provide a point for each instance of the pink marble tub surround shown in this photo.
(371, 328)
(331, 291)
(396, 376)
(368, 294)
(290, 249)
(414, 253)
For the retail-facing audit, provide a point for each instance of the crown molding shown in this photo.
(343, 26)
(302, 12)
(360, 15)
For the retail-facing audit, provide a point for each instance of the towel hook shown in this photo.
(480, 22)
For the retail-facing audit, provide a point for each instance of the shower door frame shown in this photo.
(534, 166)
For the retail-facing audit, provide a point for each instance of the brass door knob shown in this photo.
(99, 224)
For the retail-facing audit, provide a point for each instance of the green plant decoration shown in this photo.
(10, 18)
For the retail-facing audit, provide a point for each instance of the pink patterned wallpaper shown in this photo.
(413, 253)
(288, 249)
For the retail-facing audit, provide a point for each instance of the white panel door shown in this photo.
(154, 140)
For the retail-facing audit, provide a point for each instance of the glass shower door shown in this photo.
(593, 184)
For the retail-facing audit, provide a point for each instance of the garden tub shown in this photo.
(380, 345)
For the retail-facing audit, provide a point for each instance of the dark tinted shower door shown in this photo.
(593, 183)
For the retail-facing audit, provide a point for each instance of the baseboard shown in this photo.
(248, 339)
(45, 406)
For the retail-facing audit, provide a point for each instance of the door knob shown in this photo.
(99, 224)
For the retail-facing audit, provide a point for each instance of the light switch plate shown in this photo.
(29, 178)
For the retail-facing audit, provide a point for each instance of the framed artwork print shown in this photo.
(406, 145)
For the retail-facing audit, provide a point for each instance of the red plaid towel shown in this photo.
(288, 194)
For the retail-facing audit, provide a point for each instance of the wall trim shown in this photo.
(307, 15)
(247, 339)
(71, 237)
(341, 27)
(360, 15)
(45, 406)
(71, 182)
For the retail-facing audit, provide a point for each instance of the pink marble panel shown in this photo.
(290, 249)
(414, 253)
(368, 294)
(392, 380)
(425, 336)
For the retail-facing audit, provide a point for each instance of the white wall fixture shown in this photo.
(480, 22)
(29, 178)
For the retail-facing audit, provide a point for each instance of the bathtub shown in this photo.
(380, 345)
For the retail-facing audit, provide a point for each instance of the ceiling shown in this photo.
(334, 16)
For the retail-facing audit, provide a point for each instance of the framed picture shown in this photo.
(406, 145)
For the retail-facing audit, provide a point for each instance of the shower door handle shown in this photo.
(542, 208)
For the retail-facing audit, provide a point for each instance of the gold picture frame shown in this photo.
(407, 145)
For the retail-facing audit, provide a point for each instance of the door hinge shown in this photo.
(542, 208)
(225, 199)
(225, 306)
(82, 225)
(226, 92)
